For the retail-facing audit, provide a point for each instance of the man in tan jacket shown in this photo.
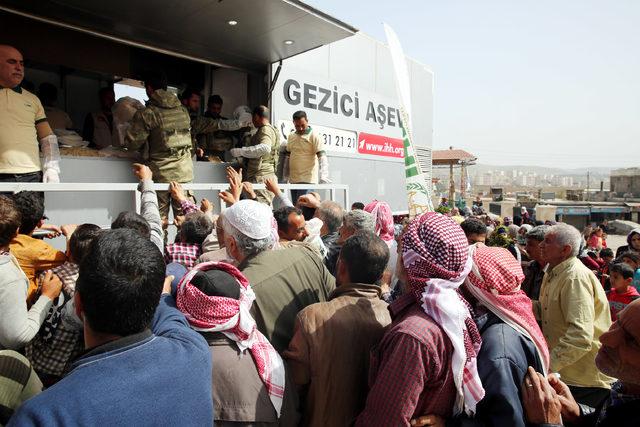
(329, 353)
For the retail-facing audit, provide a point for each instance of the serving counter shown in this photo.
(85, 165)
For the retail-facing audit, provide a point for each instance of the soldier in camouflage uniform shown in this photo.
(219, 142)
(163, 129)
(211, 133)
(261, 154)
(162, 132)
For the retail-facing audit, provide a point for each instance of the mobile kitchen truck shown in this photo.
(282, 53)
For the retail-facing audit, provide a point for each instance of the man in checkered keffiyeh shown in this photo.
(216, 298)
(511, 338)
(435, 256)
(427, 357)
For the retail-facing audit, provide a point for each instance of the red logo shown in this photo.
(379, 145)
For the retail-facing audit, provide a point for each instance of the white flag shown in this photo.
(418, 189)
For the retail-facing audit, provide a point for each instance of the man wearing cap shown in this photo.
(429, 351)
(261, 156)
(285, 281)
(23, 124)
(248, 380)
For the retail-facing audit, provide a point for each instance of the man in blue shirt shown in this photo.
(143, 365)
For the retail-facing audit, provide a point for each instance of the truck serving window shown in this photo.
(131, 88)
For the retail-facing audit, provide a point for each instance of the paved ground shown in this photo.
(614, 241)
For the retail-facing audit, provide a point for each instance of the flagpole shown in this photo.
(418, 190)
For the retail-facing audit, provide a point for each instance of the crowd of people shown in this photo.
(311, 314)
(300, 311)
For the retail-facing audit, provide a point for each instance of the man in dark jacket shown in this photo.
(549, 401)
(511, 338)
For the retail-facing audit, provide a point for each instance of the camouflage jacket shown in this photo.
(162, 132)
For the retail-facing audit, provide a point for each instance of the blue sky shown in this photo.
(545, 83)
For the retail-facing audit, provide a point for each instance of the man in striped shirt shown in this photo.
(18, 382)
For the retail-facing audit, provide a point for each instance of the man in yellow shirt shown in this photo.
(573, 312)
(305, 157)
(22, 124)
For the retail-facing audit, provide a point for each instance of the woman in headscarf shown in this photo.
(249, 374)
(381, 212)
(384, 228)
(633, 243)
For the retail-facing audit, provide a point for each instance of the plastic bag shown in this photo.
(123, 111)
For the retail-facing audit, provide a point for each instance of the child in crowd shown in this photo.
(60, 339)
(33, 255)
(595, 240)
(621, 293)
(475, 230)
(194, 229)
(605, 260)
(633, 260)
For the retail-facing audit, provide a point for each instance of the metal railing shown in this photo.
(83, 187)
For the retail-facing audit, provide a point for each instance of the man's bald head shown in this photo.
(11, 66)
(331, 215)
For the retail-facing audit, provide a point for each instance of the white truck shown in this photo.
(282, 53)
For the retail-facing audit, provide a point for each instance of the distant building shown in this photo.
(567, 181)
(625, 182)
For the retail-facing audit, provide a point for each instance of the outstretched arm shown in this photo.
(149, 204)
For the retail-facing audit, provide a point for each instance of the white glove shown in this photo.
(324, 170)
(50, 176)
(236, 152)
(49, 147)
(51, 161)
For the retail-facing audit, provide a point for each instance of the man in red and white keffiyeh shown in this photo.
(435, 256)
(494, 281)
(210, 312)
(426, 361)
(511, 338)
